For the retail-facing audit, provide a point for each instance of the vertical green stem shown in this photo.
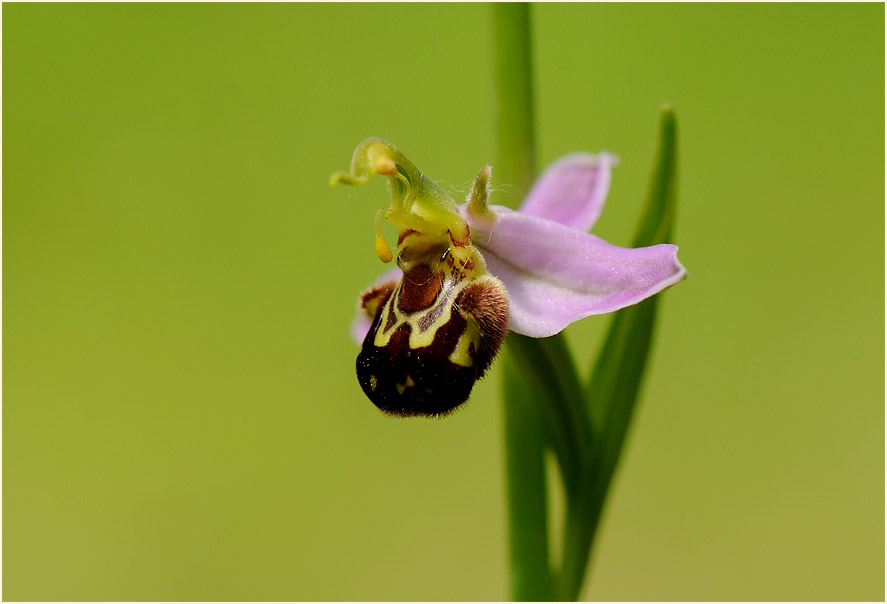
(531, 577)
(516, 161)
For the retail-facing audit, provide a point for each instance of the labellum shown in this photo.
(434, 333)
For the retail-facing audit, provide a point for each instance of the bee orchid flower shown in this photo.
(467, 274)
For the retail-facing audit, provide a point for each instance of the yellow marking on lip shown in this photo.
(418, 339)
(461, 355)
(456, 266)
(401, 388)
(373, 383)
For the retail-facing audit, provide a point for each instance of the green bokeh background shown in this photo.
(181, 420)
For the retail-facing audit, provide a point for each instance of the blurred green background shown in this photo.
(181, 419)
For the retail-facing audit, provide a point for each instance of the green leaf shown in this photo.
(658, 215)
(617, 375)
(547, 369)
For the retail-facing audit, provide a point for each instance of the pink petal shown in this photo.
(360, 326)
(572, 190)
(556, 275)
(361, 323)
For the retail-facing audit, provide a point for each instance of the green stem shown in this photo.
(531, 576)
(516, 159)
(525, 438)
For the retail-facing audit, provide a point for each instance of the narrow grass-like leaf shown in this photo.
(617, 375)
(658, 215)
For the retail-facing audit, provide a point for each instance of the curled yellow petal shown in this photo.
(383, 250)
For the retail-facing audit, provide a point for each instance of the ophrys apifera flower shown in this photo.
(468, 273)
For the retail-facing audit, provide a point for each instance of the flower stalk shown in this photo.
(525, 438)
